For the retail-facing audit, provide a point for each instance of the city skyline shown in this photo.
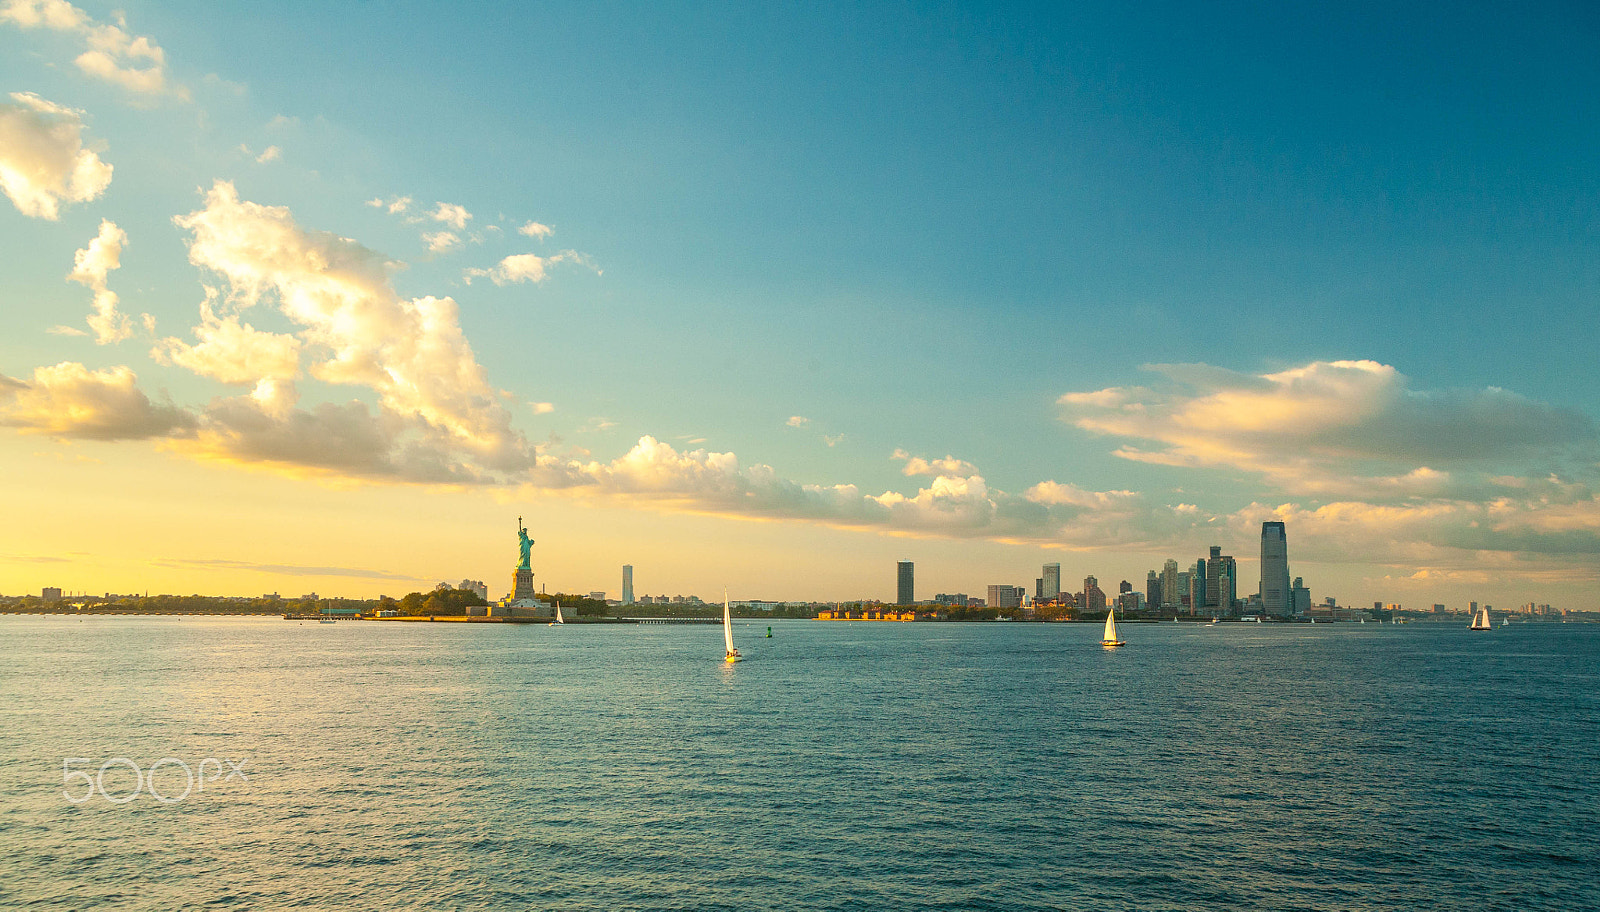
(772, 299)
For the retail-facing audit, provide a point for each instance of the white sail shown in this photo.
(727, 624)
(1110, 636)
(559, 618)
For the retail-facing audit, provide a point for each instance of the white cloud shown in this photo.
(1323, 429)
(948, 506)
(133, 62)
(396, 205)
(91, 265)
(1513, 537)
(832, 440)
(797, 421)
(441, 241)
(270, 154)
(949, 465)
(231, 351)
(452, 215)
(43, 161)
(411, 353)
(542, 408)
(1441, 480)
(536, 230)
(72, 401)
(331, 440)
(525, 267)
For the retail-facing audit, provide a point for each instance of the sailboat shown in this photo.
(1481, 620)
(1109, 638)
(727, 630)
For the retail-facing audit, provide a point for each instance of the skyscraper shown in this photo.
(1227, 584)
(1152, 590)
(1170, 596)
(1213, 569)
(1275, 595)
(1301, 597)
(1052, 582)
(907, 594)
(627, 584)
(1093, 598)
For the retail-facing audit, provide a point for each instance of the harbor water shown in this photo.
(858, 765)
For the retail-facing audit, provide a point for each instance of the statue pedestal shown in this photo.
(522, 584)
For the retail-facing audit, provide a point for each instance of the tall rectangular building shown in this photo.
(906, 593)
(1275, 595)
(1052, 582)
(1213, 569)
(627, 584)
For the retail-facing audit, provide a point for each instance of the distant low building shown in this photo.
(1302, 597)
(1006, 596)
(51, 593)
(757, 605)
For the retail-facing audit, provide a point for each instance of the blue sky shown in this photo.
(917, 227)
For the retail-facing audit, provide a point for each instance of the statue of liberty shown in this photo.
(525, 544)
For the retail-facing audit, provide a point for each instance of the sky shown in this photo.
(324, 297)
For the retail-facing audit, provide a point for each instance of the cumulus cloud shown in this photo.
(525, 267)
(542, 408)
(796, 421)
(1513, 537)
(72, 401)
(133, 62)
(451, 214)
(43, 160)
(949, 465)
(433, 399)
(348, 439)
(441, 241)
(1417, 478)
(231, 351)
(514, 269)
(947, 506)
(1322, 428)
(395, 205)
(536, 230)
(90, 267)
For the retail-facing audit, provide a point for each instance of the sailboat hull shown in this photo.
(1109, 644)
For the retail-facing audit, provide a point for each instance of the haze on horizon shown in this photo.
(312, 299)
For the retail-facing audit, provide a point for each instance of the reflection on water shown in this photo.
(1003, 766)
